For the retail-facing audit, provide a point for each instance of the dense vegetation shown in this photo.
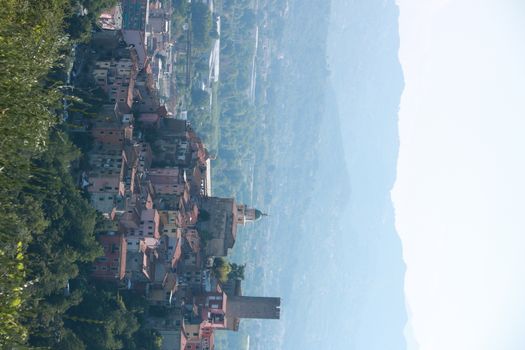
(200, 24)
(47, 226)
(26, 115)
(223, 270)
(237, 116)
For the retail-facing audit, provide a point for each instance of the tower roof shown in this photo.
(259, 214)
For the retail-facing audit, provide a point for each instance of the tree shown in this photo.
(200, 24)
(221, 269)
(237, 271)
(200, 98)
(69, 341)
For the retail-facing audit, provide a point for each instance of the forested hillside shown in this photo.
(47, 226)
(238, 116)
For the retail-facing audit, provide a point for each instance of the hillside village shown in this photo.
(149, 175)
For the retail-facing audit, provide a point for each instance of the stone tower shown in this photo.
(253, 307)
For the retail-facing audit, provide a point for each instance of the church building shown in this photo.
(218, 221)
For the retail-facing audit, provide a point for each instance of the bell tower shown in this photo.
(246, 214)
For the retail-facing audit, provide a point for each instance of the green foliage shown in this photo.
(102, 321)
(237, 271)
(180, 6)
(221, 269)
(31, 40)
(30, 44)
(61, 242)
(47, 227)
(70, 341)
(224, 270)
(200, 24)
(237, 115)
(83, 16)
(200, 98)
(180, 12)
(12, 292)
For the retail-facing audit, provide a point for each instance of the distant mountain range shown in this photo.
(329, 247)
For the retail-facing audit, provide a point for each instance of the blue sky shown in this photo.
(460, 184)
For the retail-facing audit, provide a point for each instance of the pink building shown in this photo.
(111, 266)
(166, 181)
(149, 224)
(213, 310)
(108, 133)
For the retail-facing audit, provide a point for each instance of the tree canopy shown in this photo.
(47, 226)
(221, 269)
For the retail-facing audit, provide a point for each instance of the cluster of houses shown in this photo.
(146, 25)
(150, 177)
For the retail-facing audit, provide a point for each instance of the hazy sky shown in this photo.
(460, 191)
